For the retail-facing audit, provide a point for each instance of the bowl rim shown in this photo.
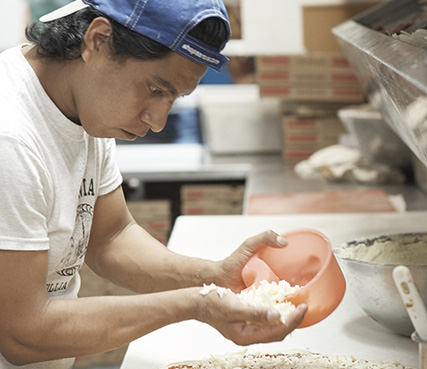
(337, 249)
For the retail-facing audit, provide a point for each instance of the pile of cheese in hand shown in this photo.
(267, 294)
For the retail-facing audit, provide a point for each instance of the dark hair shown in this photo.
(62, 39)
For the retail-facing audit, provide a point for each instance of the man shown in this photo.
(98, 70)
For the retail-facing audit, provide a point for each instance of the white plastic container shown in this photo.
(235, 120)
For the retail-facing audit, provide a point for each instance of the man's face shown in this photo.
(126, 99)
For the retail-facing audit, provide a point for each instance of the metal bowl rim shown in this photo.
(336, 250)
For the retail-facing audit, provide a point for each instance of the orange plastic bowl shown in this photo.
(307, 261)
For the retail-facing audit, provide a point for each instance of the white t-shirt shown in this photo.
(51, 173)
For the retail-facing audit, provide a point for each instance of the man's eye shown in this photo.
(154, 90)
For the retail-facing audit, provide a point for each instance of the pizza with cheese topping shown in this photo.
(286, 360)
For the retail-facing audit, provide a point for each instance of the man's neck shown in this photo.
(56, 78)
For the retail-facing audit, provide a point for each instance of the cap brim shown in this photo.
(64, 11)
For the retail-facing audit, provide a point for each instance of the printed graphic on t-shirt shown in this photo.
(72, 262)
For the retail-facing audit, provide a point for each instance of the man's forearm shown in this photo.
(69, 328)
(137, 261)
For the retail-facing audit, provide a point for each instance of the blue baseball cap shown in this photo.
(167, 22)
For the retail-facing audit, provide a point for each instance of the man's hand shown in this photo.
(244, 324)
(231, 267)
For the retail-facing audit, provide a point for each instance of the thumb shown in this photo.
(267, 238)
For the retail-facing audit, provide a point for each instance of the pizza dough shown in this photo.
(295, 359)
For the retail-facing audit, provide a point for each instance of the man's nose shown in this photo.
(157, 119)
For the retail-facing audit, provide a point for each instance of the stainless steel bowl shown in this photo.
(370, 280)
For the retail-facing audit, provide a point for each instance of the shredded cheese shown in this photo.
(267, 294)
(272, 295)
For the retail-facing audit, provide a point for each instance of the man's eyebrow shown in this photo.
(166, 84)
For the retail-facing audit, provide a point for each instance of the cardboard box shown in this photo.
(211, 207)
(307, 138)
(155, 216)
(329, 125)
(313, 93)
(297, 154)
(336, 78)
(147, 210)
(306, 134)
(212, 199)
(308, 62)
(314, 77)
(318, 20)
(213, 192)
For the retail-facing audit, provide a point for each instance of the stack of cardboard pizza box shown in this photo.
(313, 85)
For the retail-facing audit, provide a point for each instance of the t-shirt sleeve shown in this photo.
(25, 202)
(111, 177)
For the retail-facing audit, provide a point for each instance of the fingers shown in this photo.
(250, 334)
(247, 334)
(231, 267)
(267, 238)
(270, 316)
(296, 317)
(246, 325)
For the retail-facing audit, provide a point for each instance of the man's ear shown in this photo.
(96, 38)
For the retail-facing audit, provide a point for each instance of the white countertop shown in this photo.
(133, 158)
(347, 331)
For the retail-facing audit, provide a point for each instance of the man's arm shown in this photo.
(124, 253)
(35, 328)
